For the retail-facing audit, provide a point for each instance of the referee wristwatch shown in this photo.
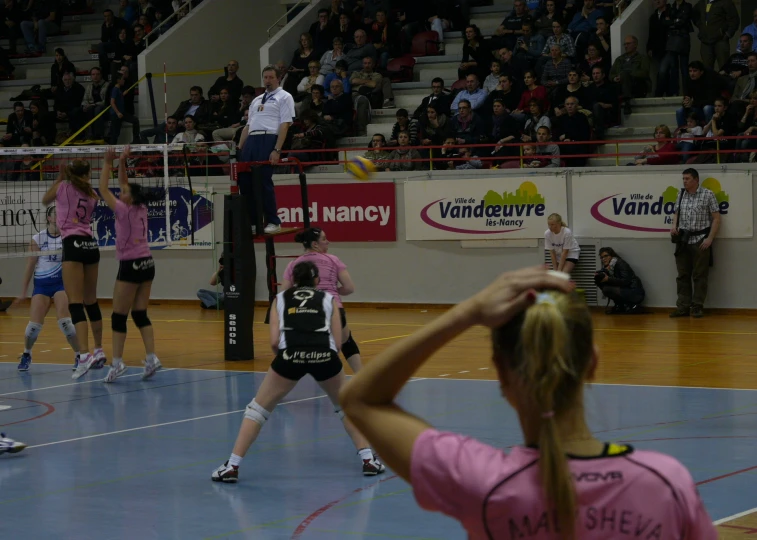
(277, 150)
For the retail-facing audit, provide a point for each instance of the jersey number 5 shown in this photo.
(81, 209)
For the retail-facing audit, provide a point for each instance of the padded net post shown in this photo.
(240, 272)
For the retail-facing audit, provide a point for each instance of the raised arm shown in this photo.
(50, 194)
(105, 191)
(368, 399)
(123, 178)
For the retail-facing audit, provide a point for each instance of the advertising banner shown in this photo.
(363, 212)
(483, 209)
(643, 206)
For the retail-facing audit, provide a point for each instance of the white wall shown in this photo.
(212, 34)
(441, 272)
(281, 47)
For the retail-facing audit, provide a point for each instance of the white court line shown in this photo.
(446, 375)
(734, 516)
(74, 384)
(163, 424)
(48, 350)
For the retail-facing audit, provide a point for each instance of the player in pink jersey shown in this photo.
(335, 279)
(75, 202)
(563, 483)
(136, 269)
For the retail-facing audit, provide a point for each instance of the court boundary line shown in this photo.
(73, 384)
(437, 378)
(139, 428)
(734, 517)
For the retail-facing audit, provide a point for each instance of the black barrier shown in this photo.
(240, 271)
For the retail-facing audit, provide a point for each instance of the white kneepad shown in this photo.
(256, 413)
(66, 326)
(32, 330)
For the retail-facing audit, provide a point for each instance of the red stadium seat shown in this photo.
(400, 69)
(458, 85)
(425, 44)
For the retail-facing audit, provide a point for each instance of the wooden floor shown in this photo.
(718, 351)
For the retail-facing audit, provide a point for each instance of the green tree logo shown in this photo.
(527, 193)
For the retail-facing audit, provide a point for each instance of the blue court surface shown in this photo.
(133, 459)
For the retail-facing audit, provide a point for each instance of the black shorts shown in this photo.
(136, 270)
(572, 259)
(343, 317)
(81, 249)
(295, 364)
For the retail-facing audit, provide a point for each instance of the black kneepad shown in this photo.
(118, 322)
(77, 313)
(93, 312)
(140, 318)
(350, 348)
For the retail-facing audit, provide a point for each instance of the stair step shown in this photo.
(427, 75)
(666, 117)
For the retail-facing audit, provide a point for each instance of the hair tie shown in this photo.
(548, 414)
(545, 298)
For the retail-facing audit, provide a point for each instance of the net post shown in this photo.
(270, 264)
(167, 183)
(257, 190)
(152, 100)
(240, 273)
(305, 202)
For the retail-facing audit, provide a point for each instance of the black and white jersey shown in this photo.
(305, 319)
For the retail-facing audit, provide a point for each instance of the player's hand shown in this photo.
(511, 293)
(126, 151)
(110, 154)
(21, 298)
(705, 244)
(674, 230)
(274, 157)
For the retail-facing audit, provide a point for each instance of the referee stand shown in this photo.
(239, 259)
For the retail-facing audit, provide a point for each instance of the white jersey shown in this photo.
(48, 266)
(561, 241)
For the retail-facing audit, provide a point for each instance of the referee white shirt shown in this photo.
(278, 109)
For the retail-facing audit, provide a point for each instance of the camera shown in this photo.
(599, 276)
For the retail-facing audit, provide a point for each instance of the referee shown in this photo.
(268, 121)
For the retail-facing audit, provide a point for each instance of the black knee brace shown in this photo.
(140, 318)
(93, 312)
(350, 348)
(118, 322)
(77, 313)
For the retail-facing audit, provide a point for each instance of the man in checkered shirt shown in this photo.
(698, 213)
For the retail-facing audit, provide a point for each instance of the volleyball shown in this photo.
(361, 168)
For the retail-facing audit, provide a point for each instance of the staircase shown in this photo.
(647, 114)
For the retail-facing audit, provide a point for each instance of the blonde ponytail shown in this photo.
(550, 347)
(545, 342)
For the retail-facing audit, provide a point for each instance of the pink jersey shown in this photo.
(329, 267)
(131, 231)
(624, 493)
(74, 211)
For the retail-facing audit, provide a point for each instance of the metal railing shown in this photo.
(278, 24)
(173, 17)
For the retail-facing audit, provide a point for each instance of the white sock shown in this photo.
(365, 453)
(116, 361)
(98, 350)
(27, 351)
(151, 357)
(235, 460)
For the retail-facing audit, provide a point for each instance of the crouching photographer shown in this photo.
(618, 282)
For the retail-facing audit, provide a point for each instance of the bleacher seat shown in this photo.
(425, 44)
(401, 69)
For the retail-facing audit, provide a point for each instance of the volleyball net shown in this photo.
(26, 174)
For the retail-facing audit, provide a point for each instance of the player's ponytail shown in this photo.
(143, 196)
(308, 236)
(304, 274)
(77, 174)
(549, 350)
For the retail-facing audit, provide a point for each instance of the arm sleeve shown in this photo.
(712, 203)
